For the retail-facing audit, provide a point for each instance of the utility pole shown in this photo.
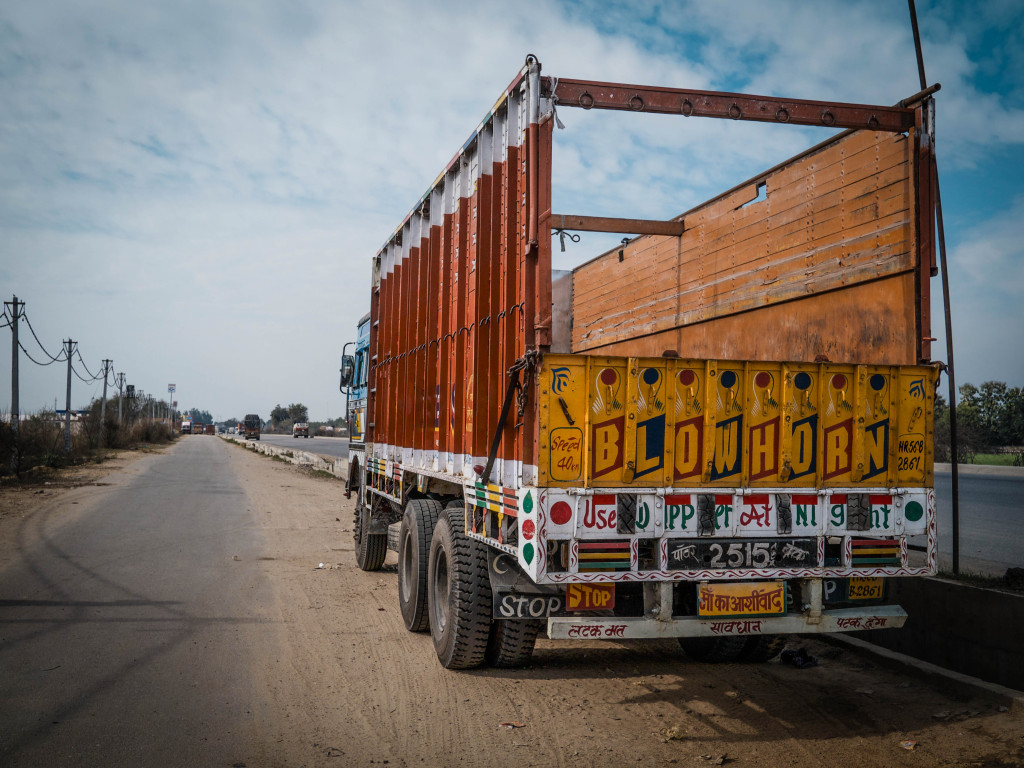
(16, 307)
(119, 378)
(103, 403)
(69, 346)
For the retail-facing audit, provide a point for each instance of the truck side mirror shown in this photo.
(348, 371)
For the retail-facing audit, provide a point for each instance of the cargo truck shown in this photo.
(719, 431)
(252, 426)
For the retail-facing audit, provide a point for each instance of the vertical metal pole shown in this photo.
(15, 410)
(120, 386)
(917, 44)
(103, 403)
(954, 446)
(67, 414)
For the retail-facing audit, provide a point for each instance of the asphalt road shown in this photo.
(991, 521)
(122, 621)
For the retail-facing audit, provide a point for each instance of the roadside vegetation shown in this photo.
(990, 425)
(40, 443)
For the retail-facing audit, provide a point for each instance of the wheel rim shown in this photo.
(440, 590)
(408, 580)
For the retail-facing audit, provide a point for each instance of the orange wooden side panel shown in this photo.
(825, 264)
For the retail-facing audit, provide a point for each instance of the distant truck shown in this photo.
(300, 429)
(197, 428)
(211, 429)
(186, 427)
(719, 431)
(252, 426)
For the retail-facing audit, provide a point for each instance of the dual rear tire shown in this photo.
(443, 585)
(371, 548)
(418, 523)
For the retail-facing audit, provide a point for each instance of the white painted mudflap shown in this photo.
(834, 620)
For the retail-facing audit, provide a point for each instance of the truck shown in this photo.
(252, 426)
(300, 429)
(186, 427)
(720, 430)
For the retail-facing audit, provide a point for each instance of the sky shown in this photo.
(195, 190)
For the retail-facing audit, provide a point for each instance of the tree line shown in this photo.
(987, 417)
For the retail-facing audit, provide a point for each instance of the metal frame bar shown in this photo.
(609, 224)
(590, 94)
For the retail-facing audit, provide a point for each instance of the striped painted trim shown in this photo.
(494, 498)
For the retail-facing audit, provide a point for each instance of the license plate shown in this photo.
(590, 597)
(862, 588)
(762, 598)
(690, 554)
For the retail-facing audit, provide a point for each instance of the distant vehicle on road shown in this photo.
(211, 429)
(186, 427)
(300, 429)
(252, 426)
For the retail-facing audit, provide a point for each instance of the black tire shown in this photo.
(713, 650)
(413, 554)
(459, 594)
(761, 648)
(511, 641)
(371, 548)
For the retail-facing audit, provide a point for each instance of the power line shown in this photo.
(93, 377)
(77, 374)
(52, 358)
(22, 346)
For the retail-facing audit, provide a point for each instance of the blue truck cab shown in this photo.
(354, 374)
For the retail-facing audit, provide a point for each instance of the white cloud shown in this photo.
(195, 189)
(986, 277)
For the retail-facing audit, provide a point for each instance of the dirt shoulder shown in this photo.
(44, 487)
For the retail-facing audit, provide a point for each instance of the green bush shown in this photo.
(40, 440)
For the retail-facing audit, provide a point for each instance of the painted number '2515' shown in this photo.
(739, 554)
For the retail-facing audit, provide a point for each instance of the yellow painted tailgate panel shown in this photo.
(665, 422)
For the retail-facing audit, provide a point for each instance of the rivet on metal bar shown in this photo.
(735, 112)
(782, 115)
(873, 123)
(586, 100)
(636, 103)
(827, 118)
(686, 107)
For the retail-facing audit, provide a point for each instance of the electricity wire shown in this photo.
(92, 376)
(52, 358)
(80, 377)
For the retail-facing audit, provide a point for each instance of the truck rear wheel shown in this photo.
(761, 648)
(371, 548)
(510, 644)
(459, 594)
(413, 553)
(713, 650)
